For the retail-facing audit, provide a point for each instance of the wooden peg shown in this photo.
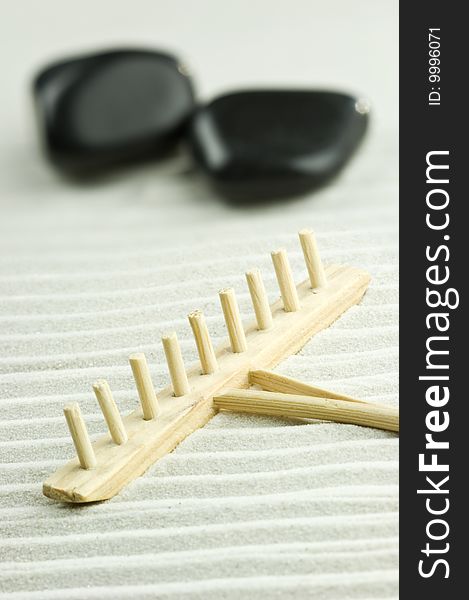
(233, 320)
(208, 360)
(313, 261)
(295, 406)
(144, 384)
(110, 411)
(259, 299)
(273, 382)
(176, 367)
(80, 436)
(286, 284)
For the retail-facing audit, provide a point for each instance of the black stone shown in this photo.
(112, 107)
(271, 144)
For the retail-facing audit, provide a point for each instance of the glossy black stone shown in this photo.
(111, 107)
(271, 144)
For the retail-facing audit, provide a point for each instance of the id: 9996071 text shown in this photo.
(434, 69)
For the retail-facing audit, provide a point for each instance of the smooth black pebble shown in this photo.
(112, 107)
(271, 144)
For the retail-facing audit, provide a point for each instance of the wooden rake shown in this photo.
(164, 419)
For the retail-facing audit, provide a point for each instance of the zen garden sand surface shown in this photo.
(247, 506)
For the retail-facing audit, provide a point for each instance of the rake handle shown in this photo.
(258, 402)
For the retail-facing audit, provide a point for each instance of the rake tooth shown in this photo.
(233, 320)
(259, 299)
(208, 360)
(110, 411)
(80, 436)
(285, 280)
(313, 261)
(176, 367)
(144, 384)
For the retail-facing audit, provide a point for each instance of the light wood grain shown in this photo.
(110, 411)
(80, 437)
(176, 368)
(233, 321)
(291, 302)
(259, 299)
(313, 261)
(208, 360)
(273, 382)
(295, 406)
(150, 440)
(146, 391)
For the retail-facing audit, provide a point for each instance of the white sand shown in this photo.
(246, 507)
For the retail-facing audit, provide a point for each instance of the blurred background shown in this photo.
(336, 45)
(91, 272)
